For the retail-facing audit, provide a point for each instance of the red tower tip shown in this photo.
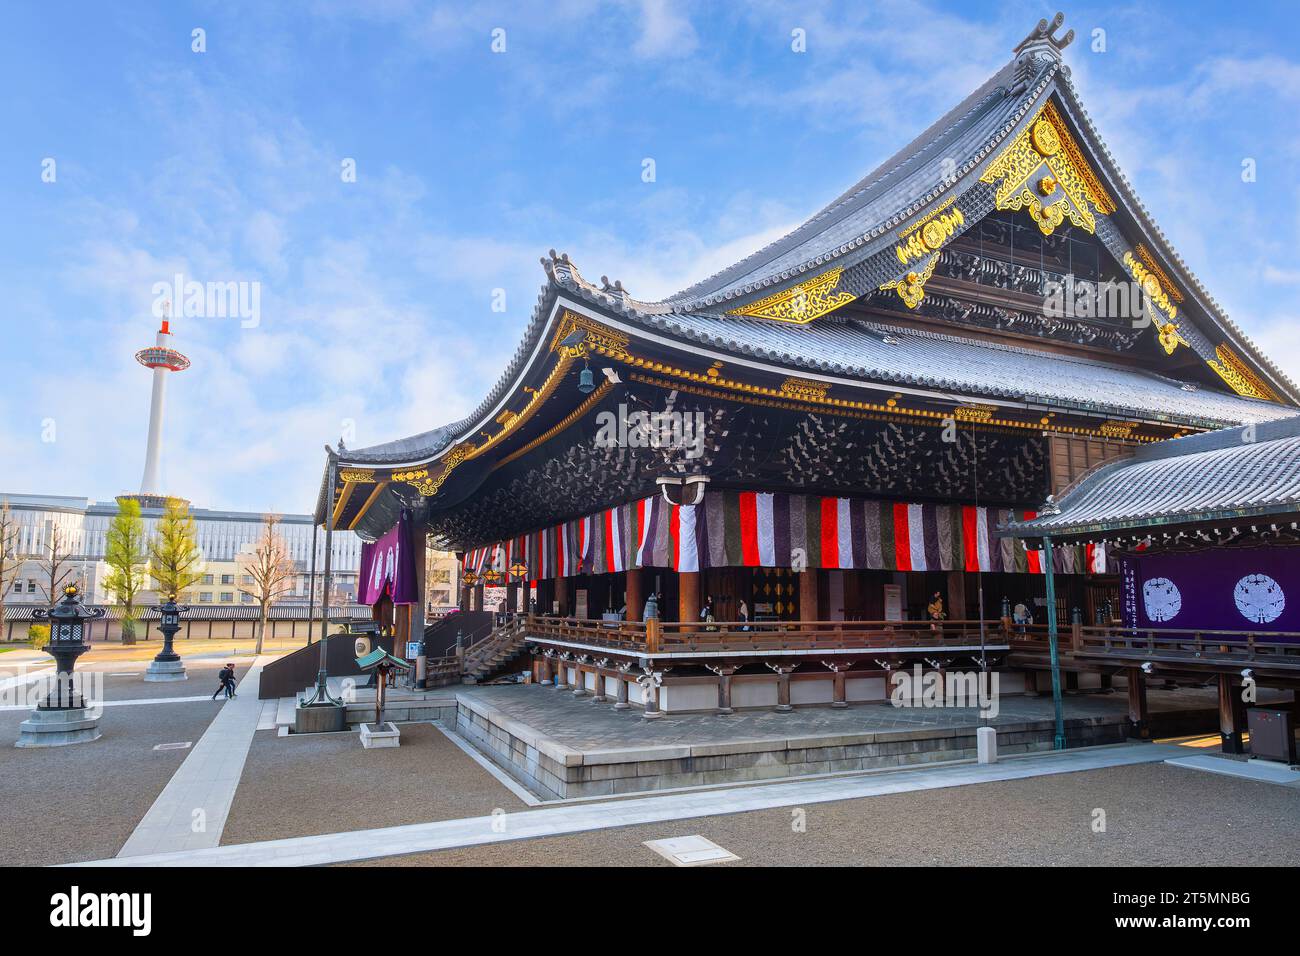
(164, 330)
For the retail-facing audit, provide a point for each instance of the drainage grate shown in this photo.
(181, 745)
(691, 851)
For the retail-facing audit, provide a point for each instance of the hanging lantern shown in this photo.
(519, 570)
(586, 381)
(469, 578)
(491, 576)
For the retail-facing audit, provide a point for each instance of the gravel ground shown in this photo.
(306, 786)
(81, 802)
(1156, 815)
(202, 680)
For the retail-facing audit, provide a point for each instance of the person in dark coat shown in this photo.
(225, 676)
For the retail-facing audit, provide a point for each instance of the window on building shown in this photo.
(246, 598)
(205, 597)
(227, 597)
(31, 586)
(208, 579)
(248, 579)
(227, 579)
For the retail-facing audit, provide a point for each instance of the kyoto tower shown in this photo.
(162, 359)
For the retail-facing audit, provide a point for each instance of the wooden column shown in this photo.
(1138, 715)
(620, 702)
(956, 602)
(547, 671)
(512, 597)
(1232, 716)
(688, 597)
(808, 610)
(598, 690)
(782, 687)
(478, 596)
(724, 673)
(652, 710)
(635, 595)
(838, 698)
(579, 677)
(562, 595)
(561, 674)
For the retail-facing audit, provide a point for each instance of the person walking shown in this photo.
(225, 676)
(230, 681)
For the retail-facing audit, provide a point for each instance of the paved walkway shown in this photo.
(577, 818)
(190, 813)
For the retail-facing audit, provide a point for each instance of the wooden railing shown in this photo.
(657, 637)
(441, 671)
(1188, 644)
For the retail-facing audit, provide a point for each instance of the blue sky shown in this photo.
(376, 295)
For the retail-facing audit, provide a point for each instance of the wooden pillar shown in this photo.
(1138, 715)
(465, 597)
(724, 673)
(620, 702)
(1232, 716)
(652, 710)
(478, 596)
(808, 609)
(956, 604)
(562, 595)
(782, 688)
(545, 677)
(838, 698)
(512, 597)
(688, 596)
(598, 689)
(635, 596)
(579, 677)
(561, 674)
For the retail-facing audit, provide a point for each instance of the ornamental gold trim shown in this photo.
(1149, 261)
(800, 303)
(928, 235)
(597, 336)
(1238, 375)
(1046, 143)
(1152, 287)
(804, 388)
(972, 412)
(358, 475)
(911, 287)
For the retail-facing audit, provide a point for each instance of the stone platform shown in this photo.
(563, 747)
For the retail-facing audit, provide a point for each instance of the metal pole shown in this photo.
(322, 696)
(311, 582)
(1059, 742)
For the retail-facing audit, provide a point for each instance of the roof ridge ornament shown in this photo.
(1041, 39)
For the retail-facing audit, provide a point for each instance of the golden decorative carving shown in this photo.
(1151, 286)
(1117, 429)
(1149, 261)
(1238, 375)
(803, 388)
(974, 413)
(507, 418)
(348, 474)
(1170, 338)
(1047, 144)
(911, 287)
(598, 337)
(928, 235)
(800, 303)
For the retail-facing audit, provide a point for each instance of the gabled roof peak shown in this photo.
(1042, 41)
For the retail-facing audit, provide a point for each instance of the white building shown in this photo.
(82, 526)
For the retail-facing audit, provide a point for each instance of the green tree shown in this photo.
(38, 635)
(125, 553)
(175, 561)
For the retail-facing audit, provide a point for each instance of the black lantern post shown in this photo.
(167, 664)
(62, 718)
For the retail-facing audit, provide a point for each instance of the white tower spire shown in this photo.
(162, 358)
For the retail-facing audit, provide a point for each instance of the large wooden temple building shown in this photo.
(810, 467)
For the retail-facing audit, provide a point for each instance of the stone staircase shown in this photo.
(495, 653)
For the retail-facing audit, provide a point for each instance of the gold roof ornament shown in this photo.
(1238, 375)
(800, 303)
(1045, 161)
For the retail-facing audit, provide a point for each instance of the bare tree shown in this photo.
(10, 563)
(269, 570)
(55, 564)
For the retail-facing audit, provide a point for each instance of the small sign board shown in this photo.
(363, 627)
(414, 649)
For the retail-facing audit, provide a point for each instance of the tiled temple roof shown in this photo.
(1233, 472)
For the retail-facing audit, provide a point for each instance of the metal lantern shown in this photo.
(469, 579)
(586, 382)
(170, 623)
(67, 621)
(519, 570)
(491, 576)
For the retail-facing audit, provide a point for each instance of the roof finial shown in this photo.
(1041, 38)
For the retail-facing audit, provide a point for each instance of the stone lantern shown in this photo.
(63, 717)
(168, 665)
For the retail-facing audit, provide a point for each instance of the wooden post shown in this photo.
(782, 688)
(562, 595)
(478, 596)
(512, 597)
(653, 636)
(1232, 716)
(808, 610)
(635, 595)
(651, 699)
(620, 702)
(838, 698)
(579, 677)
(956, 595)
(1138, 716)
(688, 596)
(724, 688)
